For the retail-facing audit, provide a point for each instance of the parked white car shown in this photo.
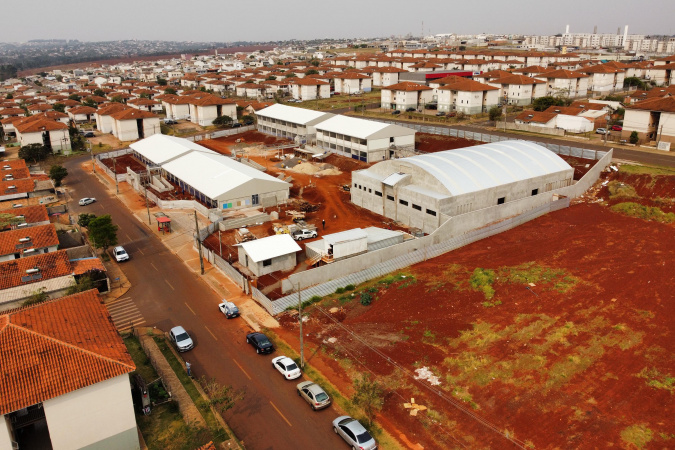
(288, 368)
(181, 339)
(120, 254)
(354, 433)
(304, 234)
(86, 201)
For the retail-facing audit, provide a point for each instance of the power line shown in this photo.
(440, 393)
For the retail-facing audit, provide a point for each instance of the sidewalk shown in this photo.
(180, 242)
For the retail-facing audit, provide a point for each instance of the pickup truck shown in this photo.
(304, 234)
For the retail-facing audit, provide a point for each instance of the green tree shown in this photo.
(271, 77)
(59, 78)
(495, 113)
(620, 112)
(99, 93)
(103, 232)
(248, 119)
(36, 297)
(312, 72)
(84, 219)
(222, 120)
(161, 81)
(543, 103)
(145, 95)
(60, 107)
(635, 81)
(368, 395)
(85, 283)
(117, 99)
(75, 97)
(634, 138)
(290, 75)
(90, 102)
(34, 152)
(170, 90)
(9, 96)
(315, 62)
(8, 219)
(58, 173)
(614, 98)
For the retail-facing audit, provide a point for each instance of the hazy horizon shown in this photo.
(216, 21)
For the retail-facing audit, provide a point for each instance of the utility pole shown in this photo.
(199, 244)
(117, 185)
(302, 347)
(220, 242)
(147, 206)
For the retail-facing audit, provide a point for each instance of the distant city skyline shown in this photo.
(266, 20)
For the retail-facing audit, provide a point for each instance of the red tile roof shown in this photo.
(407, 86)
(30, 125)
(110, 108)
(562, 73)
(516, 79)
(567, 110)
(31, 214)
(57, 347)
(537, 116)
(664, 104)
(82, 110)
(132, 114)
(50, 265)
(40, 237)
(21, 186)
(82, 266)
(453, 83)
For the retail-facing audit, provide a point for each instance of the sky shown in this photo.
(272, 20)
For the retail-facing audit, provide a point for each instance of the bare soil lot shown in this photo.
(556, 334)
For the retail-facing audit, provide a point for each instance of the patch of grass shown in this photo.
(218, 433)
(143, 365)
(492, 304)
(649, 170)
(463, 394)
(619, 189)
(349, 287)
(657, 380)
(340, 290)
(481, 280)
(639, 435)
(429, 335)
(650, 213)
(531, 272)
(482, 334)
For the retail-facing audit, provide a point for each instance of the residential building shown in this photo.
(404, 95)
(43, 131)
(28, 242)
(132, 124)
(464, 95)
(653, 120)
(289, 122)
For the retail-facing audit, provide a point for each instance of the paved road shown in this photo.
(168, 293)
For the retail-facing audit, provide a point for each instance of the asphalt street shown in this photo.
(168, 293)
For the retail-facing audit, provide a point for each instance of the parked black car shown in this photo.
(396, 112)
(89, 134)
(411, 109)
(236, 125)
(260, 342)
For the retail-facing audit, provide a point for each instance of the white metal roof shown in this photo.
(160, 148)
(376, 234)
(394, 178)
(362, 128)
(270, 247)
(348, 235)
(216, 175)
(300, 116)
(485, 166)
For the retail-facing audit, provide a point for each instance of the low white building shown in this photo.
(404, 95)
(304, 89)
(83, 380)
(565, 83)
(103, 116)
(465, 95)
(82, 114)
(289, 122)
(205, 108)
(518, 89)
(362, 139)
(132, 124)
(604, 78)
(176, 107)
(269, 254)
(42, 130)
(652, 119)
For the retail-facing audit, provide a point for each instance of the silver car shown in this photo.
(314, 395)
(354, 433)
(181, 339)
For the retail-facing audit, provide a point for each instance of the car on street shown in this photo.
(170, 122)
(314, 395)
(120, 254)
(229, 309)
(304, 234)
(181, 339)
(451, 114)
(396, 112)
(411, 109)
(287, 367)
(89, 134)
(354, 433)
(617, 128)
(236, 125)
(440, 113)
(86, 201)
(260, 342)
(601, 131)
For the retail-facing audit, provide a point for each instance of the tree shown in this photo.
(271, 77)
(248, 119)
(90, 102)
(102, 232)
(222, 120)
(59, 78)
(60, 107)
(620, 112)
(99, 93)
(543, 103)
(634, 138)
(85, 283)
(312, 72)
(36, 297)
(171, 91)
(34, 152)
(220, 397)
(315, 62)
(117, 99)
(9, 96)
(75, 97)
(634, 81)
(84, 219)
(8, 219)
(161, 81)
(368, 395)
(495, 113)
(290, 75)
(58, 173)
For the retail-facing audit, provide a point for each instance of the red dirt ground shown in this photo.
(574, 361)
(122, 162)
(658, 190)
(426, 142)
(222, 145)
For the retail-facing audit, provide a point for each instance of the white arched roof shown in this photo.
(485, 166)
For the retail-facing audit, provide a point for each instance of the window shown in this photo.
(500, 200)
(535, 191)
(378, 193)
(370, 191)
(417, 207)
(391, 140)
(255, 199)
(403, 202)
(359, 186)
(267, 263)
(390, 197)
(355, 185)
(431, 212)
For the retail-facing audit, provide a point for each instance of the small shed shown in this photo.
(269, 254)
(345, 243)
(379, 238)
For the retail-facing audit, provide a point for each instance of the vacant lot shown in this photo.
(557, 334)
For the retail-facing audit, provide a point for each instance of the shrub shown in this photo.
(634, 138)
(495, 113)
(349, 287)
(366, 298)
(339, 290)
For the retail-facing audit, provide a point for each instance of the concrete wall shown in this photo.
(103, 412)
(282, 263)
(533, 128)
(6, 437)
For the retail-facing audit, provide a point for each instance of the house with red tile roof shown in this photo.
(307, 88)
(352, 82)
(176, 106)
(661, 75)
(404, 95)
(653, 119)
(132, 124)
(65, 371)
(104, 121)
(385, 76)
(40, 130)
(205, 108)
(604, 77)
(518, 89)
(464, 95)
(555, 119)
(82, 114)
(27, 216)
(565, 83)
(28, 242)
(16, 189)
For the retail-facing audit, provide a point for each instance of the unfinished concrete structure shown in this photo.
(423, 191)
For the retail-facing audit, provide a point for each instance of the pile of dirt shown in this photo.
(307, 168)
(327, 172)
